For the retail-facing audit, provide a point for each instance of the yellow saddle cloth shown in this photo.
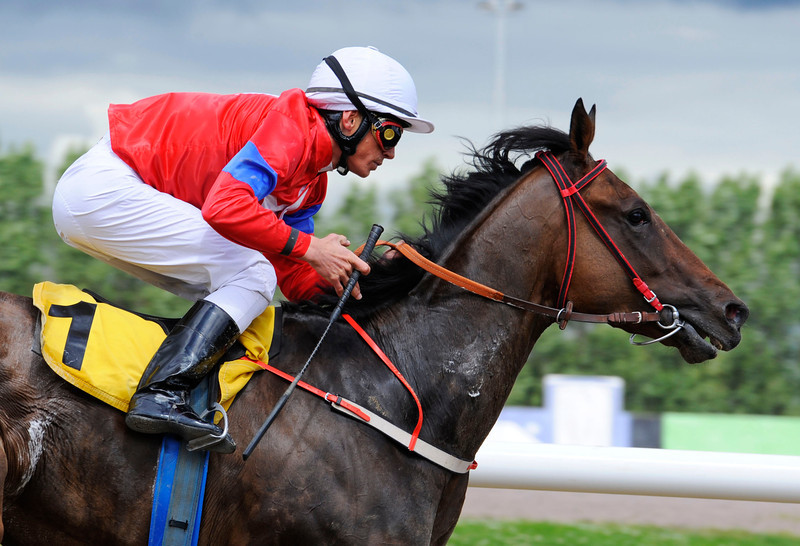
(103, 350)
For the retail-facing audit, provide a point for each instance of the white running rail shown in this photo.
(638, 471)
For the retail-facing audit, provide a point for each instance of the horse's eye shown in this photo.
(637, 217)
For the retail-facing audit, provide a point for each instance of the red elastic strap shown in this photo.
(339, 401)
(648, 294)
(374, 346)
(335, 399)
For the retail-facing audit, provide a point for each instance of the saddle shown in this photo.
(103, 349)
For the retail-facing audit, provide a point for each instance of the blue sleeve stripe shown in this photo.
(250, 167)
(302, 219)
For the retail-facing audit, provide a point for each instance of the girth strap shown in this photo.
(180, 485)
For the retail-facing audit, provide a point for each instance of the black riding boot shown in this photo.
(189, 352)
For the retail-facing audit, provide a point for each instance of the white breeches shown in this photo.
(103, 208)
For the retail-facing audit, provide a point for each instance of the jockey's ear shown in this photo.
(350, 122)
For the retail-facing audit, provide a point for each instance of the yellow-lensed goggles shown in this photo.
(387, 132)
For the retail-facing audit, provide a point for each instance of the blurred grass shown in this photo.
(527, 533)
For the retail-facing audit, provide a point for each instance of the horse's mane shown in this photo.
(463, 197)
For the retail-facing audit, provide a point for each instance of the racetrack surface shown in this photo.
(756, 517)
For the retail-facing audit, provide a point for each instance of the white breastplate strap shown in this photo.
(421, 448)
(363, 415)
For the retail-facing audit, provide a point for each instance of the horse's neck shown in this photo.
(471, 348)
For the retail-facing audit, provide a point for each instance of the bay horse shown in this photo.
(72, 474)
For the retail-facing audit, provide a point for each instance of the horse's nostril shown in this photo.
(737, 313)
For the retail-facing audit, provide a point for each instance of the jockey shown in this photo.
(212, 197)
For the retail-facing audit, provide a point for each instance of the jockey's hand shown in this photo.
(330, 257)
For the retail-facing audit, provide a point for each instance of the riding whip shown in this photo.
(374, 233)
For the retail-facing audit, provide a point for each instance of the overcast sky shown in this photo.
(710, 86)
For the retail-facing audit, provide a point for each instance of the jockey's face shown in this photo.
(369, 155)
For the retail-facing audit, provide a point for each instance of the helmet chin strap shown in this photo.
(347, 143)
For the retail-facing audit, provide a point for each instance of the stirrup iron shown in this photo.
(204, 442)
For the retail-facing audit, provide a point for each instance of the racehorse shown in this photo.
(72, 473)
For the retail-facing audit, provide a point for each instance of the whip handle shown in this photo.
(369, 246)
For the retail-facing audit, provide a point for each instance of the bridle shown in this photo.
(570, 194)
(564, 312)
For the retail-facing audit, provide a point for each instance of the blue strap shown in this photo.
(167, 462)
(180, 487)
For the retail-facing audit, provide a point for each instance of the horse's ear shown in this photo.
(581, 129)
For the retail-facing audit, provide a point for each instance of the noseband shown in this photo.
(564, 313)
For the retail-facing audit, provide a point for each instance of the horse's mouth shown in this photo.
(697, 345)
(694, 347)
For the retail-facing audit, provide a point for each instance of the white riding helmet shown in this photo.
(382, 84)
